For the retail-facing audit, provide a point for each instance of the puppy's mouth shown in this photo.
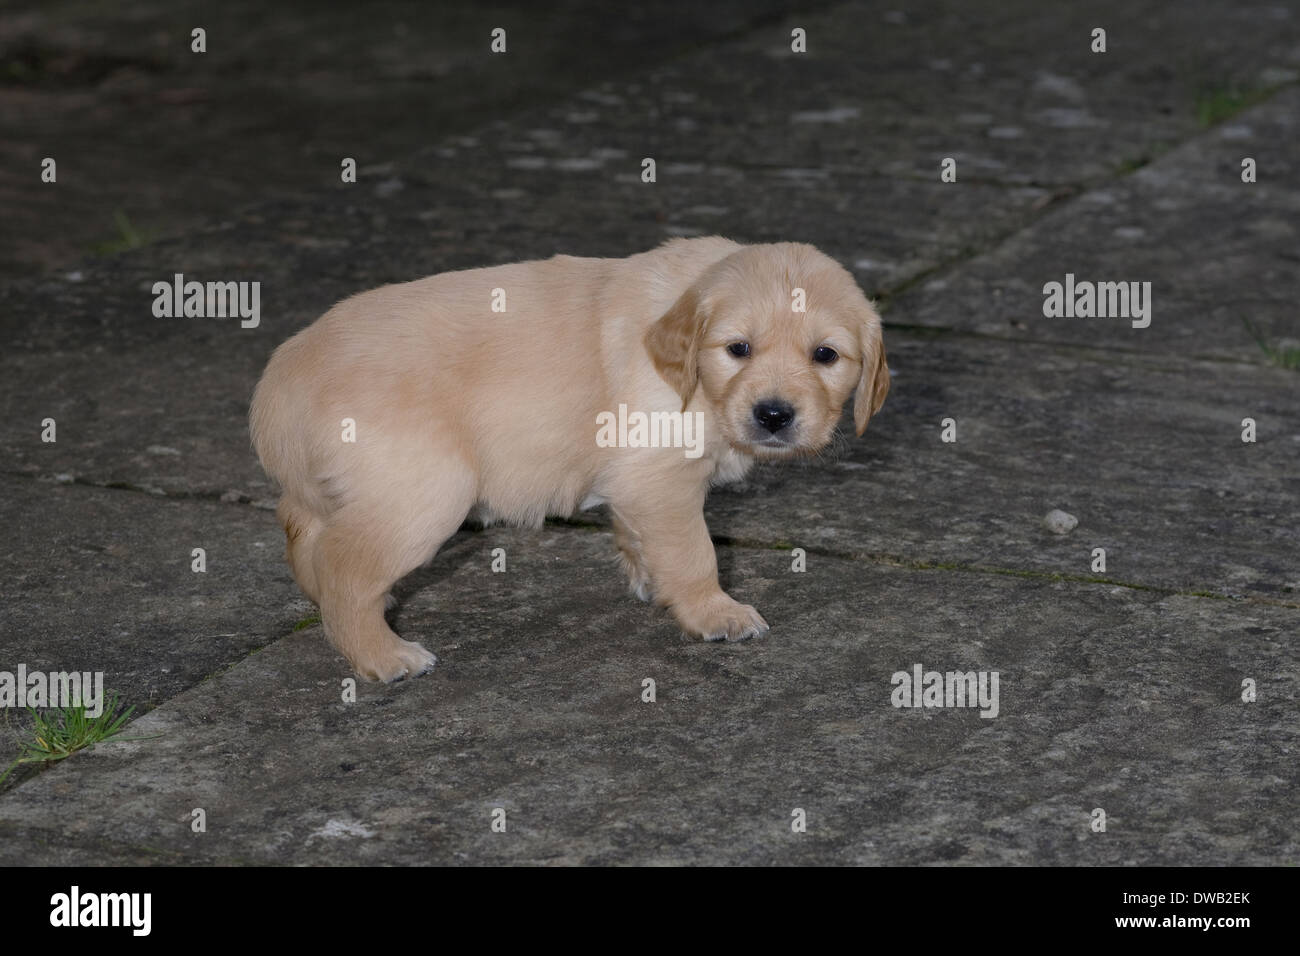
(763, 444)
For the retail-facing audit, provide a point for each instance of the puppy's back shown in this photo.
(522, 383)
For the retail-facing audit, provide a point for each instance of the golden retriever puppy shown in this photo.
(540, 388)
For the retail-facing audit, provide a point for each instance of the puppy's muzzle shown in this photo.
(774, 415)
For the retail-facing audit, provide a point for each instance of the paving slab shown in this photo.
(1109, 699)
(1146, 452)
(1013, 91)
(1220, 255)
(102, 580)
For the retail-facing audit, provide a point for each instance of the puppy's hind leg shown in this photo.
(302, 530)
(365, 549)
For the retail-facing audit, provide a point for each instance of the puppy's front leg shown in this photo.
(678, 554)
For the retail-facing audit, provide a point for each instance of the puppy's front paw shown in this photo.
(393, 660)
(722, 619)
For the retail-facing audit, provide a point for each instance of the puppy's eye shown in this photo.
(739, 349)
(825, 355)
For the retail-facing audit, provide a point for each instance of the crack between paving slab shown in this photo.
(23, 774)
(1152, 361)
(149, 490)
(892, 560)
(916, 564)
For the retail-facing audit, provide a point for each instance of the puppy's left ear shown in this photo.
(874, 384)
(674, 344)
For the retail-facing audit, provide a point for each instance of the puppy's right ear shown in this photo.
(674, 344)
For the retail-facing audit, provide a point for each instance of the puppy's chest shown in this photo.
(731, 467)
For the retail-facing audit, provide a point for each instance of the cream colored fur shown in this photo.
(461, 410)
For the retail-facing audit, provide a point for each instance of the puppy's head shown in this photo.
(775, 337)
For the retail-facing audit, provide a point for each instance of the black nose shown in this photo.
(773, 415)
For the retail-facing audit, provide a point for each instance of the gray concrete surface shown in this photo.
(1110, 698)
(145, 129)
(1120, 690)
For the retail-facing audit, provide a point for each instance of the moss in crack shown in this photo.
(1217, 103)
(1152, 152)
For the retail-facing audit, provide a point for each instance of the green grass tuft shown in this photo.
(60, 733)
(127, 236)
(1287, 358)
(1284, 357)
